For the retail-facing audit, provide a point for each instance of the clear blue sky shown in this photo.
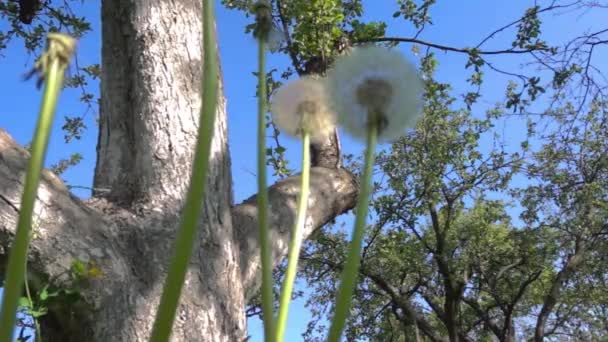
(460, 24)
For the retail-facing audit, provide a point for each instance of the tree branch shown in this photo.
(446, 47)
(332, 192)
(291, 48)
(415, 40)
(403, 303)
(552, 297)
(546, 9)
(65, 230)
(484, 315)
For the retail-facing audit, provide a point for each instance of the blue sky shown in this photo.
(460, 24)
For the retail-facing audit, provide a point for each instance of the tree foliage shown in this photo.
(28, 22)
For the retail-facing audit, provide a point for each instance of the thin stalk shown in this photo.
(15, 271)
(29, 299)
(351, 269)
(186, 234)
(262, 198)
(296, 240)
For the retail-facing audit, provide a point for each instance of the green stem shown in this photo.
(15, 271)
(351, 269)
(186, 234)
(262, 198)
(296, 239)
(29, 299)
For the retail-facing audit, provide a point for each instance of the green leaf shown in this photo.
(24, 302)
(43, 294)
(79, 268)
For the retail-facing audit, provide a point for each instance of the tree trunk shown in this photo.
(451, 317)
(151, 58)
(552, 297)
(509, 335)
(151, 72)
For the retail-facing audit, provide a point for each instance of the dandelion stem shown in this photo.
(15, 271)
(296, 239)
(351, 269)
(262, 197)
(186, 234)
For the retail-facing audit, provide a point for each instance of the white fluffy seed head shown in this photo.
(302, 105)
(374, 84)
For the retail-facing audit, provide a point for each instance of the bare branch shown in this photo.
(449, 48)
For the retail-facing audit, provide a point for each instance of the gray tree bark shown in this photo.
(151, 72)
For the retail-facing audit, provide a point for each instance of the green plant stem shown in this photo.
(186, 234)
(296, 240)
(262, 197)
(15, 271)
(351, 269)
(29, 298)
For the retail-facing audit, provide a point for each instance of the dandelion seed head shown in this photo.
(302, 106)
(374, 94)
(375, 85)
(306, 108)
